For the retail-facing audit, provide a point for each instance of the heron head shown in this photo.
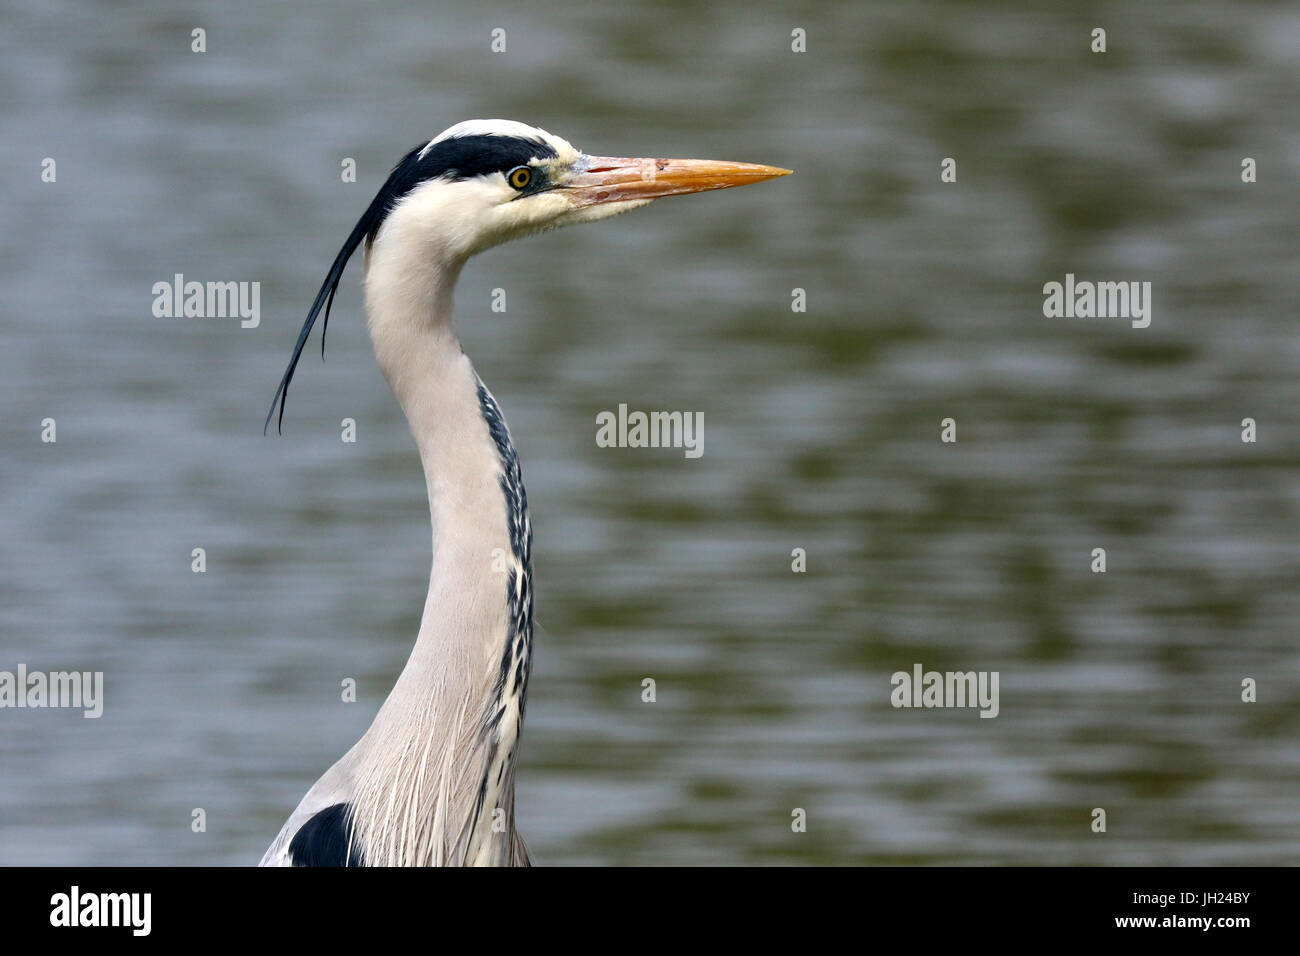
(484, 182)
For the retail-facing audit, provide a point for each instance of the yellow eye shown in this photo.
(520, 177)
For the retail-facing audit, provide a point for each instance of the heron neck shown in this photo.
(408, 307)
(451, 705)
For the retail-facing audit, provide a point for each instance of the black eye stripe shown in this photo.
(462, 157)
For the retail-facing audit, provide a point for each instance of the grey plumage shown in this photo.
(432, 781)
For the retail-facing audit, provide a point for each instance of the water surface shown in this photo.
(822, 428)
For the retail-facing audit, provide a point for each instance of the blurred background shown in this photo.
(1118, 690)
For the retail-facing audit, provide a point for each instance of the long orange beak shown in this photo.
(620, 178)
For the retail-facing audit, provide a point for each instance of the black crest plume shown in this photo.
(393, 189)
(456, 158)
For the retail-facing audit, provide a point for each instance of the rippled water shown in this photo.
(1119, 690)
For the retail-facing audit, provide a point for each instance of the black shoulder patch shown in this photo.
(323, 840)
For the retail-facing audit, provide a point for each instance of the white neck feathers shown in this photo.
(436, 769)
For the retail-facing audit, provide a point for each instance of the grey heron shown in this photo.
(431, 782)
